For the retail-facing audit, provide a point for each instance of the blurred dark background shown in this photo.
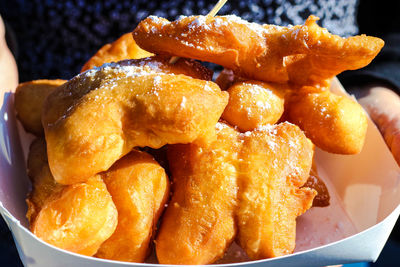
(53, 39)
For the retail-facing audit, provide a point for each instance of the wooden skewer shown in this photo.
(212, 13)
(216, 8)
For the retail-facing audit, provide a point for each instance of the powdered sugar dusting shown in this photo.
(199, 22)
(111, 70)
(269, 128)
(157, 23)
(90, 73)
(157, 80)
(183, 102)
(261, 98)
(158, 20)
(206, 23)
(208, 88)
(263, 105)
(255, 27)
(219, 126)
(255, 89)
(115, 73)
(218, 22)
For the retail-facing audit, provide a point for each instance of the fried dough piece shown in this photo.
(28, 102)
(198, 225)
(275, 162)
(79, 218)
(253, 104)
(268, 166)
(334, 123)
(124, 47)
(100, 115)
(139, 188)
(260, 52)
(43, 183)
(328, 54)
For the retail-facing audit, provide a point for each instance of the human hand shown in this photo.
(8, 67)
(383, 106)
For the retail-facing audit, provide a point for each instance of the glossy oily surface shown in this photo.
(303, 54)
(254, 104)
(199, 225)
(334, 123)
(244, 187)
(139, 188)
(29, 99)
(100, 115)
(123, 48)
(79, 218)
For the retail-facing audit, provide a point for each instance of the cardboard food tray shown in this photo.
(365, 191)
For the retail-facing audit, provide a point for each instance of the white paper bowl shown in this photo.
(367, 189)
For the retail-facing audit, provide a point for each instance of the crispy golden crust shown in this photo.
(124, 47)
(199, 224)
(253, 104)
(29, 99)
(328, 54)
(79, 218)
(262, 52)
(139, 188)
(248, 181)
(334, 123)
(43, 183)
(160, 63)
(100, 115)
(59, 214)
(275, 163)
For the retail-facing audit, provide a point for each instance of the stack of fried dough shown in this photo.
(239, 151)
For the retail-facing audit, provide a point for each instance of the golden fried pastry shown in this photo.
(79, 218)
(328, 54)
(251, 181)
(253, 104)
(139, 188)
(199, 223)
(43, 183)
(260, 52)
(100, 115)
(336, 124)
(29, 98)
(124, 47)
(275, 162)
(95, 193)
